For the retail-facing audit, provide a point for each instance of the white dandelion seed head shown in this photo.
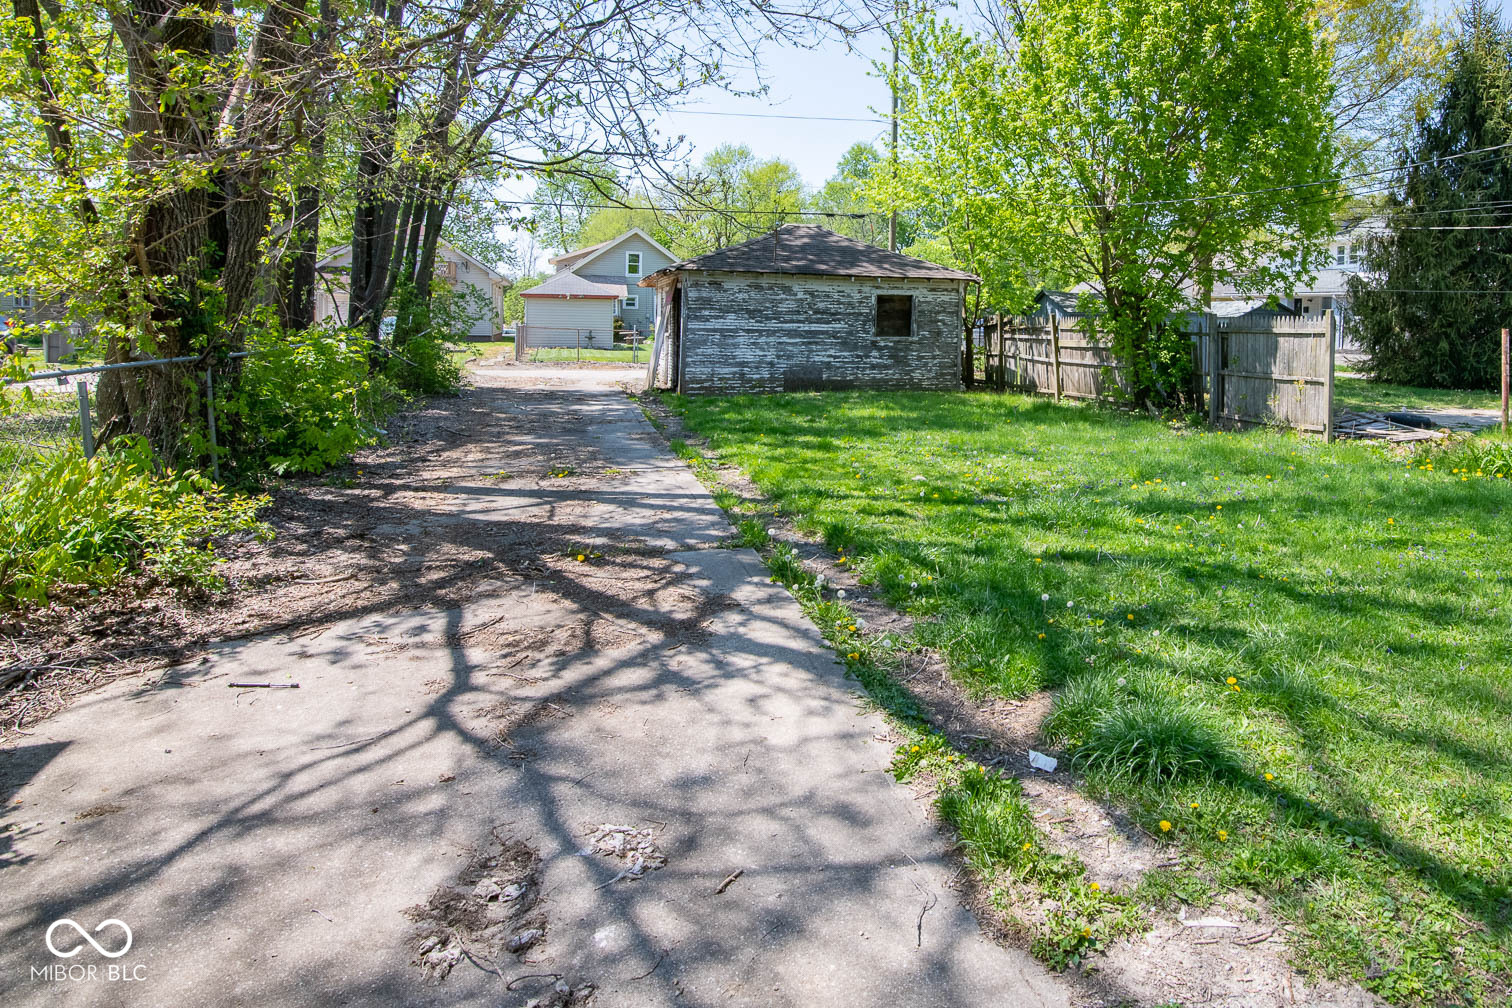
(1155, 633)
(918, 479)
(840, 593)
(913, 584)
(1122, 681)
(1045, 597)
(1069, 604)
(771, 531)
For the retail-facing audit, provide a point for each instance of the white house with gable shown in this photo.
(480, 286)
(593, 289)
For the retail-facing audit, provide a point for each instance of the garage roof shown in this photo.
(809, 249)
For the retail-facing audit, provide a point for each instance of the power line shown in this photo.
(775, 115)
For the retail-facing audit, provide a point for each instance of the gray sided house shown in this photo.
(806, 308)
(594, 288)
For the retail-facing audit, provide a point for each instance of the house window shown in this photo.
(632, 264)
(632, 302)
(894, 316)
(1340, 255)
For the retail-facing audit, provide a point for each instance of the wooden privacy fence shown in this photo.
(1259, 368)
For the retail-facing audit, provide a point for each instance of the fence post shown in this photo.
(1506, 378)
(1000, 375)
(210, 417)
(1055, 375)
(86, 432)
(1331, 333)
(1214, 369)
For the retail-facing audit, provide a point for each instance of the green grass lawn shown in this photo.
(1291, 661)
(1352, 393)
(617, 355)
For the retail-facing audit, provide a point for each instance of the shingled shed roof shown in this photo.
(572, 285)
(811, 250)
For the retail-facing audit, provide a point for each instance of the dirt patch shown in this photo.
(491, 915)
(96, 811)
(1244, 966)
(411, 524)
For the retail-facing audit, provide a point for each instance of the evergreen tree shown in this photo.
(1430, 304)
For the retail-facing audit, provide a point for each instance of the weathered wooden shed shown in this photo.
(806, 308)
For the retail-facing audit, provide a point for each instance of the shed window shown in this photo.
(632, 264)
(632, 302)
(894, 316)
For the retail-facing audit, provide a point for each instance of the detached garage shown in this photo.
(806, 308)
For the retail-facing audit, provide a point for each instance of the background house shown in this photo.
(594, 288)
(806, 308)
(1328, 290)
(480, 287)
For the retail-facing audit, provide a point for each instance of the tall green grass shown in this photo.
(1292, 660)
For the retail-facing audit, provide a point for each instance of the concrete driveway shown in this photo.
(636, 779)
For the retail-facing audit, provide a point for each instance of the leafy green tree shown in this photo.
(514, 304)
(846, 195)
(1429, 306)
(1148, 147)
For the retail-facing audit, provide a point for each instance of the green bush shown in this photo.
(418, 359)
(83, 522)
(305, 405)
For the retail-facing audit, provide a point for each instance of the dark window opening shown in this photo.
(894, 316)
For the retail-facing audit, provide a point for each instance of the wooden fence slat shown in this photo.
(1257, 369)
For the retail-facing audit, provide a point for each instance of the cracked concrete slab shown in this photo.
(264, 845)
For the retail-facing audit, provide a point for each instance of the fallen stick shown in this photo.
(729, 880)
(262, 685)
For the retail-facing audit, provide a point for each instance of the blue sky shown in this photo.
(828, 81)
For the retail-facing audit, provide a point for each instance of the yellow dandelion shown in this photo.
(1095, 887)
(1194, 804)
(1027, 845)
(580, 558)
(1041, 636)
(1165, 826)
(1223, 834)
(1270, 776)
(1231, 680)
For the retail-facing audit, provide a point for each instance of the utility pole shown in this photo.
(892, 220)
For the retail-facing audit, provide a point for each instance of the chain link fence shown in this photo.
(42, 425)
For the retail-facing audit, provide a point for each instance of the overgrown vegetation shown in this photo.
(73, 523)
(304, 407)
(1288, 659)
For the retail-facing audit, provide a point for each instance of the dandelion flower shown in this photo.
(1131, 616)
(1165, 826)
(1095, 887)
(580, 558)
(1086, 932)
(1027, 845)
(1041, 636)
(1223, 834)
(1045, 597)
(1231, 680)
(1194, 804)
(1270, 776)
(1069, 604)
